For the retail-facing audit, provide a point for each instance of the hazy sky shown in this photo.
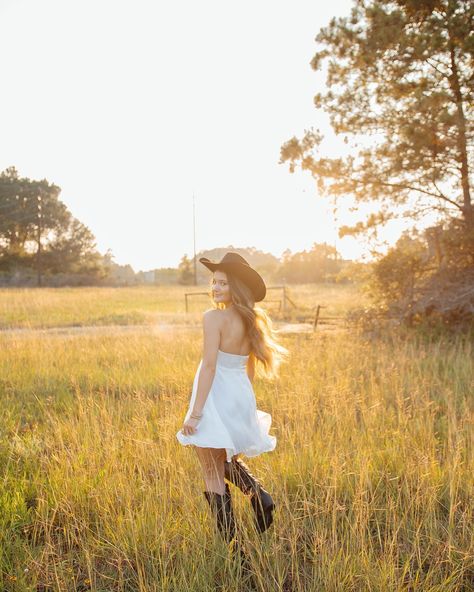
(131, 107)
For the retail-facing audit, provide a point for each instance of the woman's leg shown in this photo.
(238, 473)
(212, 464)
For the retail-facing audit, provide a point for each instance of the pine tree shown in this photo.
(402, 73)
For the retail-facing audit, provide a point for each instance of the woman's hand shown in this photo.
(189, 427)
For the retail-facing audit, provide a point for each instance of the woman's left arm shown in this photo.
(211, 328)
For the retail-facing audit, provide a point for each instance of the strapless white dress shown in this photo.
(230, 418)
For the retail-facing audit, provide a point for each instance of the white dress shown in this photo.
(230, 418)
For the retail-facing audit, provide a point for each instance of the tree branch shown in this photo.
(411, 188)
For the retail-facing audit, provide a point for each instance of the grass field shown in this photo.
(53, 307)
(373, 473)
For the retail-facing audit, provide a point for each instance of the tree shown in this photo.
(427, 277)
(24, 206)
(396, 274)
(318, 264)
(73, 251)
(402, 73)
(186, 275)
(37, 230)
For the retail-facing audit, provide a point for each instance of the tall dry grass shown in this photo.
(147, 305)
(373, 473)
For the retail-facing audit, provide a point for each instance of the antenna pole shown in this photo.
(38, 253)
(194, 241)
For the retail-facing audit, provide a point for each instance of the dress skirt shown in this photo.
(230, 417)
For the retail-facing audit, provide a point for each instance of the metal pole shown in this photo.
(39, 240)
(194, 242)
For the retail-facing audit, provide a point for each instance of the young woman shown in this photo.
(222, 420)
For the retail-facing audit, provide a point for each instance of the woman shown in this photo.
(222, 420)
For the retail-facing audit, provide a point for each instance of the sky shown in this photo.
(134, 107)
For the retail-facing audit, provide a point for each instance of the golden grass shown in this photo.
(145, 305)
(373, 473)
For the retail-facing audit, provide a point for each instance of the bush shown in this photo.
(428, 278)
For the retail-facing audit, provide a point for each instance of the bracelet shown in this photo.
(195, 416)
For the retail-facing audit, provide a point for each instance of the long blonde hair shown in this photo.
(265, 347)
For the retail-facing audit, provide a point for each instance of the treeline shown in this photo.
(321, 263)
(39, 237)
(42, 243)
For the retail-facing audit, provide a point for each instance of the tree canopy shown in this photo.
(37, 231)
(400, 73)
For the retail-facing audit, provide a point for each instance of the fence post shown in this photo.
(316, 318)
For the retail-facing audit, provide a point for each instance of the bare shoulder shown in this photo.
(212, 312)
(212, 316)
(212, 326)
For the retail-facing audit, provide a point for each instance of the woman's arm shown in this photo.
(251, 367)
(211, 327)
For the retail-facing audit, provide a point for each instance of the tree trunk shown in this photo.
(462, 143)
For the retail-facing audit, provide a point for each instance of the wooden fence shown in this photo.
(283, 304)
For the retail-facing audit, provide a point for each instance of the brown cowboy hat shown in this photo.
(238, 266)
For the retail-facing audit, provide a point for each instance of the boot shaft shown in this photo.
(221, 507)
(238, 473)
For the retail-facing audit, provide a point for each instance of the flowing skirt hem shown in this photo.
(230, 451)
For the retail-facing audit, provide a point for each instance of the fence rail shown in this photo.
(283, 303)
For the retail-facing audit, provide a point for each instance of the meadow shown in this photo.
(147, 305)
(373, 473)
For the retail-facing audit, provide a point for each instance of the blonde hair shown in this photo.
(265, 347)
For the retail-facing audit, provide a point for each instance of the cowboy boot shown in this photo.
(221, 507)
(239, 552)
(238, 473)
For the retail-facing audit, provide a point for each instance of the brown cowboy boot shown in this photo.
(238, 473)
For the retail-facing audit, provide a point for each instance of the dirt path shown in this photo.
(282, 327)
